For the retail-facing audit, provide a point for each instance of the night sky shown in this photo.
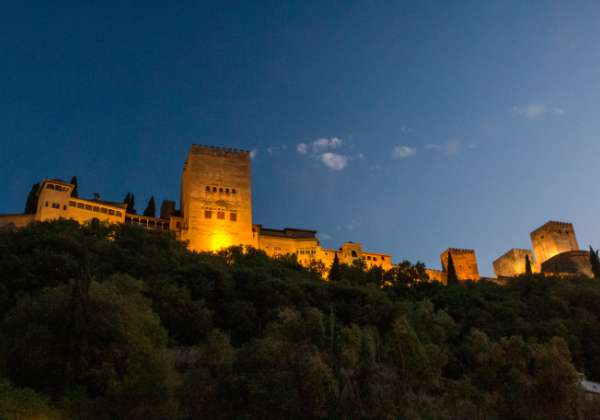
(407, 126)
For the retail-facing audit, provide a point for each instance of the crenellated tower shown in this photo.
(216, 198)
(553, 238)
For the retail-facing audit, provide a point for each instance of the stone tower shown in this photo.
(465, 263)
(552, 239)
(513, 263)
(216, 198)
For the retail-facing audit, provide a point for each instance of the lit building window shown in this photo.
(55, 205)
(214, 189)
(104, 210)
(111, 212)
(46, 204)
(72, 204)
(88, 207)
(220, 190)
(221, 215)
(96, 209)
(233, 191)
(233, 217)
(207, 214)
(50, 186)
(207, 188)
(118, 213)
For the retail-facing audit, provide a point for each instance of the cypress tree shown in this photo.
(335, 273)
(32, 199)
(130, 201)
(595, 262)
(150, 208)
(131, 206)
(75, 192)
(451, 271)
(528, 270)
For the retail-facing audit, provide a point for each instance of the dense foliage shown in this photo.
(113, 322)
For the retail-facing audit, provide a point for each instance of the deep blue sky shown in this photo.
(463, 124)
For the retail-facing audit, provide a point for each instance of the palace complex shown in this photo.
(215, 212)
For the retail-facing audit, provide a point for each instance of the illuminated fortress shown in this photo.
(216, 212)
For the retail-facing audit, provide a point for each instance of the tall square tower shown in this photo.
(216, 198)
(465, 263)
(553, 238)
(513, 263)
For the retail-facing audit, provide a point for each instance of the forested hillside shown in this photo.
(113, 322)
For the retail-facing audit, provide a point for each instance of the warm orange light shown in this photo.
(220, 240)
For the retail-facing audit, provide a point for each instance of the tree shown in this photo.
(130, 201)
(335, 273)
(451, 271)
(595, 262)
(113, 348)
(528, 270)
(150, 208)
(74, 192)
(32, 199)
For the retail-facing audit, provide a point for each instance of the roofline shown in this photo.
(551, 222)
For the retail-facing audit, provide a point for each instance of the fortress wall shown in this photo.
(85, 210)
(437, 275)
(512, 263)
(275, 245)
(465, 263)
(569, 263)
(552, 239)
(377, 260)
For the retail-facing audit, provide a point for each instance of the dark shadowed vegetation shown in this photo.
(113, 322)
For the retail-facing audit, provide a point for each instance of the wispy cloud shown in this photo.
(451, 147)
(535, 110)
(334, 161)
(322, 148)
(319, 145)
(302, 148)
(401, 152)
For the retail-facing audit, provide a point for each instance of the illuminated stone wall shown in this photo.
(552, 239)
(465, 263)
(436, 275)
(55, 202)
(568, 264)
(513, 263)
(350, 252)
(216, 199)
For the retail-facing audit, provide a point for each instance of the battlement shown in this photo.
(552, 224)
(460, 251)
(553, 238)
(465, 263)
(512, 263)
(202, 149)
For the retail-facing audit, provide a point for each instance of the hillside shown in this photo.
(114, 322)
